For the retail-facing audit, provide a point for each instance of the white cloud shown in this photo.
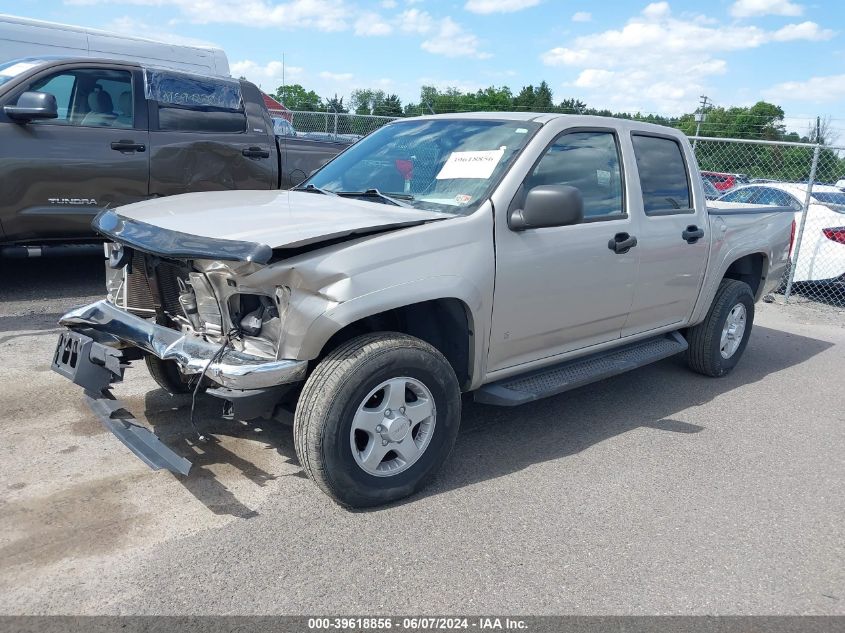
(815, 89)
(753, 8)
(582, 16)
(372, 24)
(415, 21)
(339, 77)
(499, 6)
(451, 40)
(658, 61)
(268, 76)
(657, 10)
(804, 31)
(323, 15)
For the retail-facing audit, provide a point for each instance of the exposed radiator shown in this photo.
(138, 295)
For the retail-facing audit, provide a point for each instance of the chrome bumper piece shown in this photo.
(234, 369)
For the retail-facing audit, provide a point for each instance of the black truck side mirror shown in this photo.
(33, 105)
(546, 206)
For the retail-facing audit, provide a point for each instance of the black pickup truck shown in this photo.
(81, 135)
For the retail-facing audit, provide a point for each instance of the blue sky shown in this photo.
(652, 57)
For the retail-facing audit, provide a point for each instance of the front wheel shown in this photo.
(717, 343)
(167, 375)
(376, 418)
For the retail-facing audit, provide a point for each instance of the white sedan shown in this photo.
(822, 252)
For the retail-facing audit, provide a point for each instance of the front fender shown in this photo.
(398, 296)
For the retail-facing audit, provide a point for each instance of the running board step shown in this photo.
(551, 381)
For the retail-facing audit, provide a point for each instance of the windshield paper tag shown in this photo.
(471, 164)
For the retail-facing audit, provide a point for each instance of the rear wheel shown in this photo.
(376, 418)
(717, 343)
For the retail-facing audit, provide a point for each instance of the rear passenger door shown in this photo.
(672, 260)
(58, 173)
(202, 139)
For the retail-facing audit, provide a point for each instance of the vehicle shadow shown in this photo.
(494, 441)
(168, 415)
(73, 276)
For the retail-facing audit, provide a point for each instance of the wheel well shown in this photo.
(749, 269)
(443, 323)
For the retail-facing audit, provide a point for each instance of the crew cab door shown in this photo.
(674, 240)
(564, 288)
(207, 134)
(58, 173)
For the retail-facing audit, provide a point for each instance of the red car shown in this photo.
(725, 182)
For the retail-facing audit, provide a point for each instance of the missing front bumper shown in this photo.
(233, 370)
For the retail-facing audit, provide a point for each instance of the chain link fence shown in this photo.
(329, 125)
(797, 175)
(802, 176)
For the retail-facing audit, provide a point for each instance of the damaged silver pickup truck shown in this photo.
(515, 256)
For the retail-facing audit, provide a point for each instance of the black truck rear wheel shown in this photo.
(717, 343)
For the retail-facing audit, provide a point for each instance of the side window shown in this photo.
(588, 161)
(191, 103)
(61, 87)
(746, 195)
(89, 97)
(184, 119)
(794, 203)
(772, 197)
(663, 175)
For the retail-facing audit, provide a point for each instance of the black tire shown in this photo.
(332, 395)
(167, 375)
(704, 354)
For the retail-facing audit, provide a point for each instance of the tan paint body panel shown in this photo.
(567, 292)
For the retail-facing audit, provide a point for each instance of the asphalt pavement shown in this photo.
(656, 492)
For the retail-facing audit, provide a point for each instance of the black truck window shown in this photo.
(663, 175)
(191, 103)
(89, 97)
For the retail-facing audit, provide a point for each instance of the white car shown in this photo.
(822, 251)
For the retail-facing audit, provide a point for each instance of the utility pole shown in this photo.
(818, 130)
(699, 117)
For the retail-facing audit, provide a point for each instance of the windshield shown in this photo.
(835, 201)
(446, 165)
(10, 70)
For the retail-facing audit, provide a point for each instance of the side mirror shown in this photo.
(33, 105)
(548, 205)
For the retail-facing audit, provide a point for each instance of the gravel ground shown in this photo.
(655, 492)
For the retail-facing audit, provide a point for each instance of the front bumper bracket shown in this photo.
(138, 439)
(94, 367)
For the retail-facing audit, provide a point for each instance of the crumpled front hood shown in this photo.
(278, 219)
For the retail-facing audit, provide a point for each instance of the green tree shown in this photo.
(365, 101)
(571, 106)
(335, 104)
(543, 98)
(391, 105)
(295, 97)
(525, 99)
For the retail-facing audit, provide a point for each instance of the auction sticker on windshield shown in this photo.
(471, 164)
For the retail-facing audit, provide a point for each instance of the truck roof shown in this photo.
(586, 120)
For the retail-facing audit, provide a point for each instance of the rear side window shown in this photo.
(173, 119)
(191, 103)
(746, 195)
(663, 175)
